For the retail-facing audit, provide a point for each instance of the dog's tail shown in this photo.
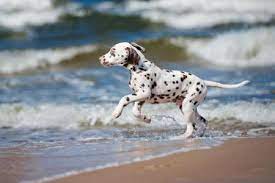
(220, 85)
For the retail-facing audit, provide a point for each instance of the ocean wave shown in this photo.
(17, 14)
(196, 13)
(13, 61)
(249, 48)
(71, 116)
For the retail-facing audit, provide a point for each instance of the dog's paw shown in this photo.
(146, 119)
(116, 113)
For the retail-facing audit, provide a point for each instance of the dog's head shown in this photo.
(122, 54)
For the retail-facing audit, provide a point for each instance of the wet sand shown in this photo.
(246, 160)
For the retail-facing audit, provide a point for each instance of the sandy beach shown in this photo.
(239, 160)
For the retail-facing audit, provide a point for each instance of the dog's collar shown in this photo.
(136, 68)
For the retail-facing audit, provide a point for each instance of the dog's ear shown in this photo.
(133, 57)
(140, 48)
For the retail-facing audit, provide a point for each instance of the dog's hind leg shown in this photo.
(137, 112)
(196, 124)
(187, 110)
(199, 126)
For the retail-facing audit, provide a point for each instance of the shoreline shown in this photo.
(254, 161)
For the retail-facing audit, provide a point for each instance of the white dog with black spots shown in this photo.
(151, 84)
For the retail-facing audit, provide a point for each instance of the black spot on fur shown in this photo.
(127, 99)
(197, 89)
(202, 119)
(177, 88)
(198, 83)
(183, 78)
(194, 126)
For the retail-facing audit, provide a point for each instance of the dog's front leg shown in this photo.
(137, 112)
(124, 101)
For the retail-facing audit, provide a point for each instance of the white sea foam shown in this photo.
(12, 61)
(248, 48)
(17, 14)
(74, 116)
(198, 13)
(242, 111)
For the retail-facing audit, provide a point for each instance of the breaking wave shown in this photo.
(72, 116)
(13, 61)
(248, 48)
(196, 13)
(17, 14)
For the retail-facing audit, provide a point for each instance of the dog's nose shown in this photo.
(102, 60)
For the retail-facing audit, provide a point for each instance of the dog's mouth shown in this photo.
(106, 64)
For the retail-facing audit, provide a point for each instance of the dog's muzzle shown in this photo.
(103, 61)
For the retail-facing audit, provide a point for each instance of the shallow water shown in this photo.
(65, 117)
(56, 100)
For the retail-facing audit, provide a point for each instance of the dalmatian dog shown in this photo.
(151, 84)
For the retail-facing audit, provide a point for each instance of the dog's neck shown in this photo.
(143, 65)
